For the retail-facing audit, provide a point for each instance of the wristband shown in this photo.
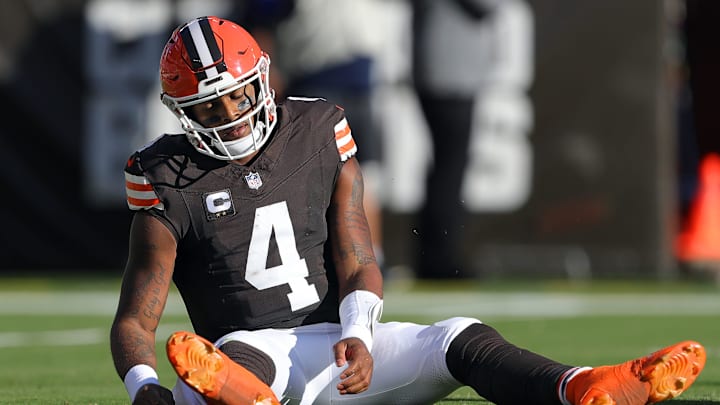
(138, 376)
(359, 312)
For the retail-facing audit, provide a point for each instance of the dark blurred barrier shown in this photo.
(46, 221)
(605, 171)
(603, 159)
(603, 192)
(603, 180)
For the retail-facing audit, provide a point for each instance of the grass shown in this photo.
(77, 368)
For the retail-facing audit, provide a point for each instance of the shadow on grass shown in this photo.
(462, 401)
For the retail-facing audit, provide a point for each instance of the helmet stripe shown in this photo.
(196, 63)
(202, 49)
(212, 44)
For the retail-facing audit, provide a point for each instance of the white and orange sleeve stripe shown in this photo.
(140, 193)
(344, 140)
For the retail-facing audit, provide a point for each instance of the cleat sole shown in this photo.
(674, 371)
(657, 377)
(211, 373)
(197, 362)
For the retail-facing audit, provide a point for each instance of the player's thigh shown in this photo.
(283, 345)
(299, 356)
(410, 361)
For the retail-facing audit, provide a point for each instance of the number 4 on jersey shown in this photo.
(292, 271)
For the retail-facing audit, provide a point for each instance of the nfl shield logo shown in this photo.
(253, 181)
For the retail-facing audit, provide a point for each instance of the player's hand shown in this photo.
(356, 377)
(153, 394)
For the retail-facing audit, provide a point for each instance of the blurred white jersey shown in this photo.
(409, 363)
(321, 33)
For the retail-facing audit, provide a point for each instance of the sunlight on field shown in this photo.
(55, 334)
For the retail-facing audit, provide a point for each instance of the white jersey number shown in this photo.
(293, 269)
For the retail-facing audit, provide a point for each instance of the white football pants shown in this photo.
(409, 363)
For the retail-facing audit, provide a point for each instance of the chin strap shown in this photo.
(243, 146)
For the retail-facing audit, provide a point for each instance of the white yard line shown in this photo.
(71, 337)
(411, 304)
(69, 303)
(526, 305)
(397, 305)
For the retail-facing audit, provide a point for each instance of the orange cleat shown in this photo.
(662, 375)
(213, 374)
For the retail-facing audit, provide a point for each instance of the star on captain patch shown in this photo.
(253, 180)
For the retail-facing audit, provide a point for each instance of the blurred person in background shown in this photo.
(328, 49)
(446, 31)
(255, 213)
(471, 66)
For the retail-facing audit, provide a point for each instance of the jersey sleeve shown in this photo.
(140, 193)
(343, 139)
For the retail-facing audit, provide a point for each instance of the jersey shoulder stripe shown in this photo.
(344, 140)
(325, 119)
(140, 193)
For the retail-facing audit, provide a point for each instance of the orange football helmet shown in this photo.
(209, 57)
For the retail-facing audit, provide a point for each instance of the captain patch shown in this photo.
(218, 204)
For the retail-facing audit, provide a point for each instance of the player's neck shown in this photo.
(245, 160)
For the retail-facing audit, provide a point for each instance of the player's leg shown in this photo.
(505, 374)
(409, 362)
(661, 375)
(297, 364)
(217, 377)
(502, 372)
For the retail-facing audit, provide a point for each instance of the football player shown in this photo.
(255, 213)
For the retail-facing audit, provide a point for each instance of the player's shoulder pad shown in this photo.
(344, 140)
(139, 191)
(138, 188)
(321, 112)
(307, 107)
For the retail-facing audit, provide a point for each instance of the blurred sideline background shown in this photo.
(582, 164)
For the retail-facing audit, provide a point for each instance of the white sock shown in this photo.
(565, 379)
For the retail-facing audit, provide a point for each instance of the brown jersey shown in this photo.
(250, 239)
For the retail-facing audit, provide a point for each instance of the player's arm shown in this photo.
(350, 235)
(143, 295)
(359, 278)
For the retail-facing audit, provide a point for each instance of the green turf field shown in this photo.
(54, 345)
